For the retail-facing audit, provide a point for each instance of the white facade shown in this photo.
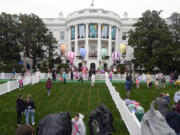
(92, 21)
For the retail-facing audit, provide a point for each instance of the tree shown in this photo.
(9, 39)
(174, 25)
(151, 39)
(35, 38)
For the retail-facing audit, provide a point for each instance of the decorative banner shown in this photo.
(104, 31)
(115, 56)
(122, 48)
(82, 52)
(72, 33)
(113, 32)
(93, 30)
(71, 57)
(63, 49)
(81, 30)
(103, 52)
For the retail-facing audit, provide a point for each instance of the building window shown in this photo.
(124, 35)
(62, 35)
(93, 30)
(113, 33)
(81, 31)
(104, 31)
(72, 33)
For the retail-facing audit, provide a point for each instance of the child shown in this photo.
(137, 81)
(157, 84)
(21, 83)
(19, 108)
(48, 86)
(75, 130)
(110, 76)
(64, 77)
(167, 97)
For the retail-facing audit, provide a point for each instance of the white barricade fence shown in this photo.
(132, 123)
(12, 85)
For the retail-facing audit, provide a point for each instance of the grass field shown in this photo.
(145, 95)
(72, 97)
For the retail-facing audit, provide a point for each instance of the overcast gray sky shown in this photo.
(51, 8)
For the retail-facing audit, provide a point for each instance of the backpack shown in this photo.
(153, 123)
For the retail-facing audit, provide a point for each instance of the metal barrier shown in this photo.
(129, 118)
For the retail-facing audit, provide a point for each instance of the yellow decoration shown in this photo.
(103, 27)
(95, 27)
(122, 48)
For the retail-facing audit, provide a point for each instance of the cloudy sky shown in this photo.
(51, 8)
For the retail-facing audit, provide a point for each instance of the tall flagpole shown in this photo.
(92, 3)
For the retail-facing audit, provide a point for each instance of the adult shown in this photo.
(49, 73)
(25, 130)
(54, 75)
(48, 86)
(173, 120)
(90, 74)
(29, 109)
(160, 79)
(178, 107)
(128, 86)
(13, 72)
(19, 108)
(162, 104)
(93, 78)
(72, 74)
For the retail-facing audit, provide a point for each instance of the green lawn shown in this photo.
(72, 97)
(145, 95)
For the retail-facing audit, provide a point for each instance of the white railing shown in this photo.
(12, 85)
(132, 123)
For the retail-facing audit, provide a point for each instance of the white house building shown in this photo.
(92, 29)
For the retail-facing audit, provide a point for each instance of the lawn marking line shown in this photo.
(79, 101)
(89, 98)
(70, 99)
(63, 96)
(97, 93)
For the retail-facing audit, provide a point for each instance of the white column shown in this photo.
(117, 39)
(87, 42)
(76, 40)
(110, 42)
(99, 42)
(69, 39)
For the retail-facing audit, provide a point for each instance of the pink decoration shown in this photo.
(115, 56)
(71, 57)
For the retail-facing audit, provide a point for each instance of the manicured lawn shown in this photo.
(145, 95)
(72, 97)
(1, 82)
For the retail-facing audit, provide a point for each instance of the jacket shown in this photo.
(153, 123)
(178, 108)
(48, 84)
(55, 124)
(128, 85)
(162, 105)
(29, 104)
(173, 120)
(20, 106)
